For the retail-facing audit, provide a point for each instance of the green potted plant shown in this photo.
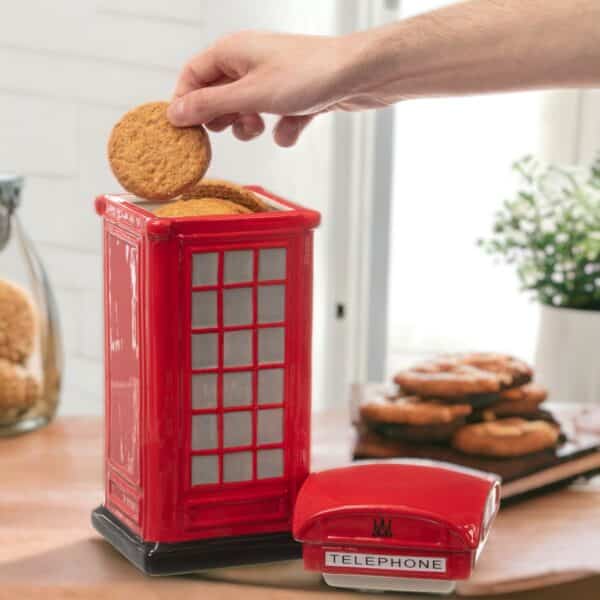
(550, 231)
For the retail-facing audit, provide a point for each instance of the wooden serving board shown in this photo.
(580, 455)
(577, 454)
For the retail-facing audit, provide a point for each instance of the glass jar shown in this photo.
(30, 344)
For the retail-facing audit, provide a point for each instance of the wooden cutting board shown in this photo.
(51, 480)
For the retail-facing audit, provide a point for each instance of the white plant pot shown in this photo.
(567, 358)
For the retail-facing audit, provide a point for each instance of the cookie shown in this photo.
(153, 159)
(18, 389)
(412, 419)
(524, 399)
(411, 410)
(17, 323)
(461, 375)
(521, 400)
(217, 188)
(420, 434)
(200, 207)
(505, 438)
(476, 401)
(537, 415)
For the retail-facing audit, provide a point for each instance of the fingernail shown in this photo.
(175, 111)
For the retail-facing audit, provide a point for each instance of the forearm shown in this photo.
(480, 46)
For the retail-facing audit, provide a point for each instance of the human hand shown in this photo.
(251, 73)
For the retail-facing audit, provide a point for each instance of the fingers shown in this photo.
(288, 129)
(247, 127)
(209, 103)
(223, 122)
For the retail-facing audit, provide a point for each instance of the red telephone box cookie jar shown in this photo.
(207, 370)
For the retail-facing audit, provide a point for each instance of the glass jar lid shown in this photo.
(10, 197)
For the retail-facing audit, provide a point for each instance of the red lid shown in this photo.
(415, 503)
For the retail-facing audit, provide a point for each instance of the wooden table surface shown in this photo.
(50, 480)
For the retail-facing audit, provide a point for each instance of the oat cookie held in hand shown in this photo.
(153, 159)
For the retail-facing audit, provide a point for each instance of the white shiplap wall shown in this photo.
(69, 69)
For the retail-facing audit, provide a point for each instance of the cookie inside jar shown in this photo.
(213, 197)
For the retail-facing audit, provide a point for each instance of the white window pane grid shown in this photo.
(237, 466)
(271, 264)
(205, 268)
(269, 463)
(205, 469)
(269, 426)
(204, 309)
(251, 447)
(238, 266)
(237, 429)
(270, 386)
(271, 303)
(237, 348)
(271, 345)
(237, 306)
(204, 432)
(204, 350)
(237, 388)
(204, 391)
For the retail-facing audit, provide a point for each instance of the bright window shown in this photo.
(451, 173)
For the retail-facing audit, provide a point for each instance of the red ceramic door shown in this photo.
(235, 331)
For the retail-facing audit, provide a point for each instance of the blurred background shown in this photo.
(404, 193)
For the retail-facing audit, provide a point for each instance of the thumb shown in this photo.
(208, 103)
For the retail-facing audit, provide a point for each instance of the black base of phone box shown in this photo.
(157, 558)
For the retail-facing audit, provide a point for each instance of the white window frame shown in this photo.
(358, 340)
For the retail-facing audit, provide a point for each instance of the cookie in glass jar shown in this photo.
(18, 391)
(17, 323)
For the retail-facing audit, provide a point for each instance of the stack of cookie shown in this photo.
(479, 403)
(213, 197)
(18, 388)
(157, 161)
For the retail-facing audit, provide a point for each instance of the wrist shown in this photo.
(372, 61)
